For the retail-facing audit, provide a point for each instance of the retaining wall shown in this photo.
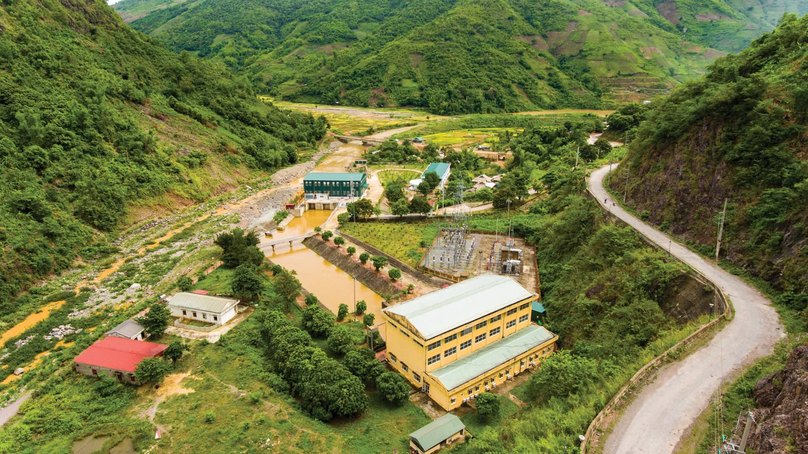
(369, 278)
(723, 307)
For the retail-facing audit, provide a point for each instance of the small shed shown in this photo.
(128, 329)
(437, 434)
(538, 312)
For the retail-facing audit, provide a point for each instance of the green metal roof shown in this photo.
(205, 303)
(438, 167)
(538, 307)
(333, 176)
(491, 356)
(432, 434)
(448, 308)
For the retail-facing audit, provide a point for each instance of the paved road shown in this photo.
(662, 412)
(9, 411)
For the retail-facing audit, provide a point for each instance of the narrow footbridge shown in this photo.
(366, 141)
(290, 240)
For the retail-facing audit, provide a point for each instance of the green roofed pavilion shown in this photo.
(442, 429)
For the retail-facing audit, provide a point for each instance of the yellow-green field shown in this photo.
(466, 137)
(400, 240)
(386, 176)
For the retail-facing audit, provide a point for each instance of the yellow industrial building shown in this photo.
(465, 339)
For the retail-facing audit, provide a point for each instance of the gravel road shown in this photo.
(664, 409)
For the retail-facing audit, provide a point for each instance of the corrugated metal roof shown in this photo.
(119, 354)
(129, 329)
(432, 434)
(438, 167)
(538, 307)
(448, 308)
(333, 176)
(205, 303)
(491, 356)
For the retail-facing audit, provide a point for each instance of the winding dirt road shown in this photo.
(664, 409)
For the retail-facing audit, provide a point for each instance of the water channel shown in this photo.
(331, 285)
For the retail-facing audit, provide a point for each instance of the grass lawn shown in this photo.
(400, 240)
(386, 176)
(475, 424)
(229, 387)
(216, 282)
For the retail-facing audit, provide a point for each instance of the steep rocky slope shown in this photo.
(738, 134)
(782, 408)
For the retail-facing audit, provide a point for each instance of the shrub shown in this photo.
(368, 319)
(210, 417)
(379, 262)
(311, 300)
(393, 388)
(361, 307)
(185, 283)
(351, 250)
(394, 273)
(488, 406)
(342, 312)
(340, 340)
(339, 241)
(327, 235)
(363, 257)
(152, 370)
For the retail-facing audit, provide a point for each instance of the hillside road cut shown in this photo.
(680, 391)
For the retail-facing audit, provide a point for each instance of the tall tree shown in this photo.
(156, 319)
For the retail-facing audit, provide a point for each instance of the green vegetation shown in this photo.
(156, 320)
(404, 241)
(114, 128)
(458, 56)
(741, 127)
(152, 370)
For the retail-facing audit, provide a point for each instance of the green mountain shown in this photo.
(739, 134)
(458, 56)
(101, 126)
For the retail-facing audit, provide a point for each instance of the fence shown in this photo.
(178, 323)
(654, 363)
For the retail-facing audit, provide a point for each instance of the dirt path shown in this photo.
(384, 135)
(664, 410)
(11, 409)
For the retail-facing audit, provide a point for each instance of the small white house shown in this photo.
(195, 306)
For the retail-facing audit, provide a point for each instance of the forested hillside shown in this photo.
(458, 56)
(96, 118)
(738, 134)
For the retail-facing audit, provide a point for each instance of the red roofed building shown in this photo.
(116, 357)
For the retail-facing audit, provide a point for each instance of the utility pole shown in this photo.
(721, 230)
(625, 193)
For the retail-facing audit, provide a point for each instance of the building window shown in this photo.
(466, 331)
(465, 345)
(433, 359)
(481, 325)
(184, 312)
(524, 306)
(523, 318)
(496, 319)
(393, 325)
(404, 367)
(393, 358)
(501, 375)
(494, 331)
(450, 352)
(480, 338)
(510, 324)
(215, 318)
(433, 345)
(512, 311)
(404, 333)
(470, 391)
(193, 313)
(95, 372)
(416, 377)
(477, 388)
(453, 401)
(205, 316)
(451, 338)
(419, 344)
(132, 378)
